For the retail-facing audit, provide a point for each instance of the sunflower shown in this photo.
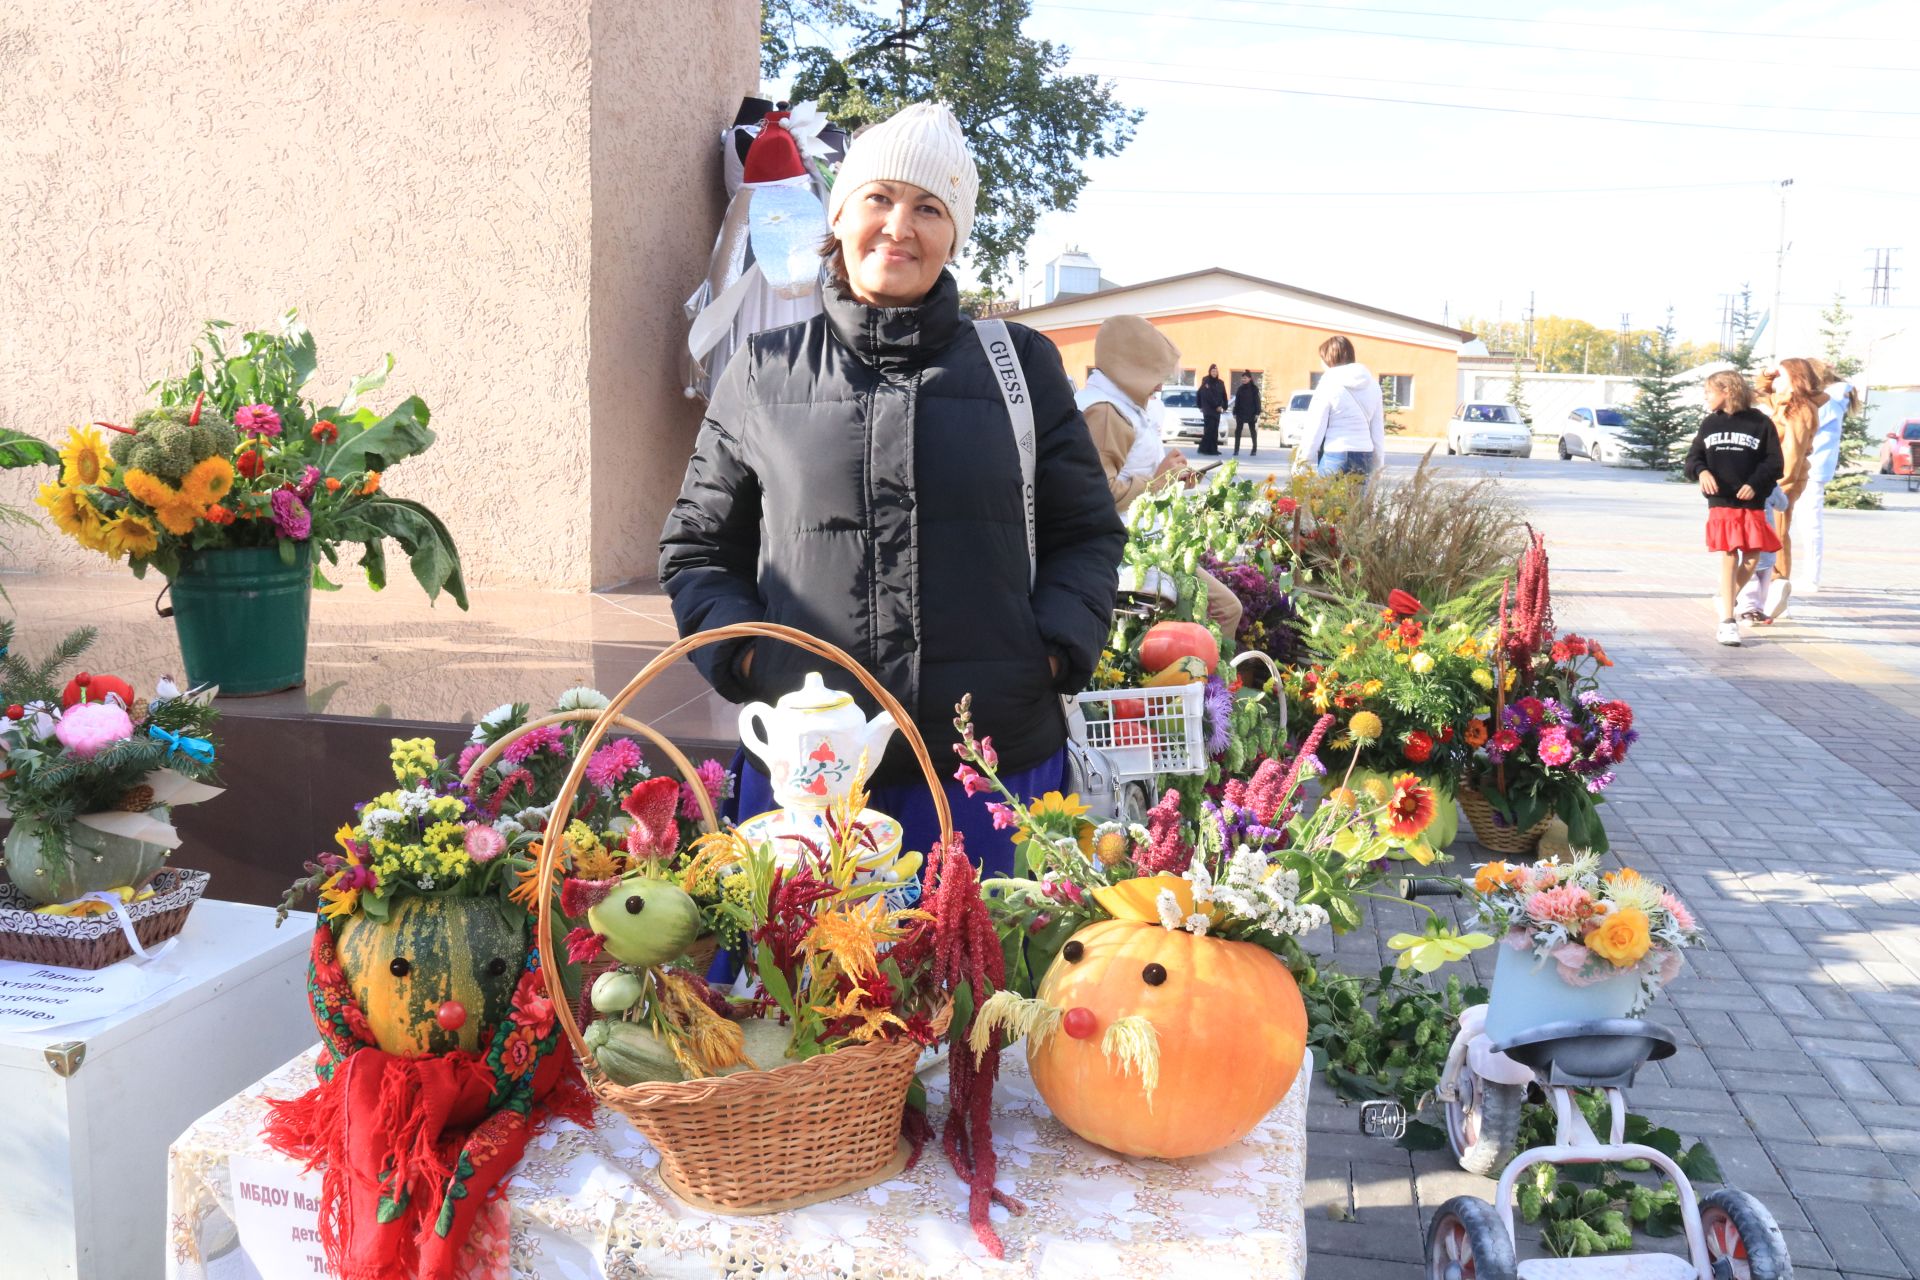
(1411, 808)
(208, 482)
(131, 534)
(172, 508)
(85, 460)
(1053, 814)
(74, 515)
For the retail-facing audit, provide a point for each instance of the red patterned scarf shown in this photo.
(411, 1147)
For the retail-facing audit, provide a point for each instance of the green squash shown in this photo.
(432, 950)
(92, 861)
(646, 921)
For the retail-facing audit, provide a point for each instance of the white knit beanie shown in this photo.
(921, 144)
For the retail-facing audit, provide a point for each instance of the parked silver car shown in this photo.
(1182, 420)
(1593, 431)
(1489, 428)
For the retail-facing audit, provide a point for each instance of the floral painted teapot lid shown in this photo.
(813, 695)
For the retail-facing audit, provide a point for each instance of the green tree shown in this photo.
(1567, 344)
(1390, 408)
(1661, 417)
(1517, 395)
(1744, 328)
(1030, 125)
(1849, 487)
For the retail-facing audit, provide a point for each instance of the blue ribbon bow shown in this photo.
(199, 748)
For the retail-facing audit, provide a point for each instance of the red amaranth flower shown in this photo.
(1167, 850)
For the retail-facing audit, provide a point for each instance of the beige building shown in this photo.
(513, 199)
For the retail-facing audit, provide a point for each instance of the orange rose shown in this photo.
(1498, 875)
(1621, 937)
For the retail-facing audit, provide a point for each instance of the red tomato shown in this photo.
(1167, 642)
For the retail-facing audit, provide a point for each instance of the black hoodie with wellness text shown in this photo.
(1740, 449)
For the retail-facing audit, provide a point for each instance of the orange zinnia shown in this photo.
(1476, 733)
(373, 483)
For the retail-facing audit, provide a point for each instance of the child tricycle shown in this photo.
(1730, 1234)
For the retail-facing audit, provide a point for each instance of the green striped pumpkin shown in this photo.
(428, 951)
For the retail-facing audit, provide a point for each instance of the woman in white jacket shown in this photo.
(1346, 428)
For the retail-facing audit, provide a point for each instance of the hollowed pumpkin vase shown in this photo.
(432, 952)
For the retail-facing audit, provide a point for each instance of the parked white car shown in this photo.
(1593, 431)
(1293, 419)
(1489, 428)
(1180, 418)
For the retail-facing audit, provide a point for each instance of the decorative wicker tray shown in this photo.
(94, 942)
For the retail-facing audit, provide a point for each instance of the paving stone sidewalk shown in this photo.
(1775, 788)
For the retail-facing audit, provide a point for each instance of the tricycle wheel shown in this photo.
(1743, 1241)
(1483, 1123)
(1467, 1241)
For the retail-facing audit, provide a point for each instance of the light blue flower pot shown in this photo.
(1529, 993)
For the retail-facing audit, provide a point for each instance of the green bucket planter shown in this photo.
(241, 614)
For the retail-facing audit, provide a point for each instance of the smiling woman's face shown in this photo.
(894, 239)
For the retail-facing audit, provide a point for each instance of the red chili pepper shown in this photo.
(193, 419)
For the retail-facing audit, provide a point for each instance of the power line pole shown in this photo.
(1529, 348)
(1779, 269)
(1626, 330)
(1726, 322)
(1881, 294)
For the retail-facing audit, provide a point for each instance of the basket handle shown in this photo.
(679, 760)
(550, 849)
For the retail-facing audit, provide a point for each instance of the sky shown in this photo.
(1445, 213)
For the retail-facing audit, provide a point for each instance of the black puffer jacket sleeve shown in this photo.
(1078, 533)
(710, 547)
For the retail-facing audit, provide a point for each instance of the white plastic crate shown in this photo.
(1144, 732)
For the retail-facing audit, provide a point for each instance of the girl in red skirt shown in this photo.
(1736, 458)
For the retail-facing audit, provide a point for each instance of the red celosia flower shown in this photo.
(583, 944)
(655, 832)
(1166, 851)
(1307, 748)
(1418, 747)
(1263, 792)
(578, 896)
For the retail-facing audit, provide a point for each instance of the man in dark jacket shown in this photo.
(1246, 414)
(858, 477)
(1213, 402)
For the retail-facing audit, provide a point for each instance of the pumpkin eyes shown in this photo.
(399, 968)
(496, 966)
(1073, 951)
(636, 904)
(1154, 974)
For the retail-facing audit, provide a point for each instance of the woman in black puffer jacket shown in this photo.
(857, 477)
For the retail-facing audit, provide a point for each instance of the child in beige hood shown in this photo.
(1132, 360)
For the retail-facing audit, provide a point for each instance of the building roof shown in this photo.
(1033, 315)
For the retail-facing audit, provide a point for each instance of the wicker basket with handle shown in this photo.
(1493, 831)
(759, 1141)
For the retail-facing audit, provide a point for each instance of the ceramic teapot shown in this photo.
(812, 742)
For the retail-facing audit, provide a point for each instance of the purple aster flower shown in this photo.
(1219, 716)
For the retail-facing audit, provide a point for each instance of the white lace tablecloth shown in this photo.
(587, 1203)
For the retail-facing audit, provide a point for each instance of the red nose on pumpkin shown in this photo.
(1079, 1022)
(452, 1016)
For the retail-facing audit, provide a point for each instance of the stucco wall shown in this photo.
(1287, 354)
(667, 78)
(437, 178)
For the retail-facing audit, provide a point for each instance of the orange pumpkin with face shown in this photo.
(1230, 1028)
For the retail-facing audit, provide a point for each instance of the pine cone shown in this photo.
(138, 799)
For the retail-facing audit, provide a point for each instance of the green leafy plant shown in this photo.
(1384, 1036)
(1595, 1208)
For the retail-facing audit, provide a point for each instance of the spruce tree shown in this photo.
(1848, 489)
(1662, 416)
(1745, 327)
(1517, 396)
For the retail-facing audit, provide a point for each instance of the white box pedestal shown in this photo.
(83, 1157)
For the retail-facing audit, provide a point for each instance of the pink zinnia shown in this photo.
(257, 419)
(612, 763)
(1678, 910)
(308, 482)
(1554, 747)
(290, 515)
(1566, 905)
(548, 737)
(1502, 744)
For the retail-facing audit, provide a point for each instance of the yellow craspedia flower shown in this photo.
(1483, 677)
(1422, 663)
(85, 460)
(1622, 937)
(1365, 726)
(131, 534)
(1343, 798)
(208, 482)
(1377, 790)
(1110, 844)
